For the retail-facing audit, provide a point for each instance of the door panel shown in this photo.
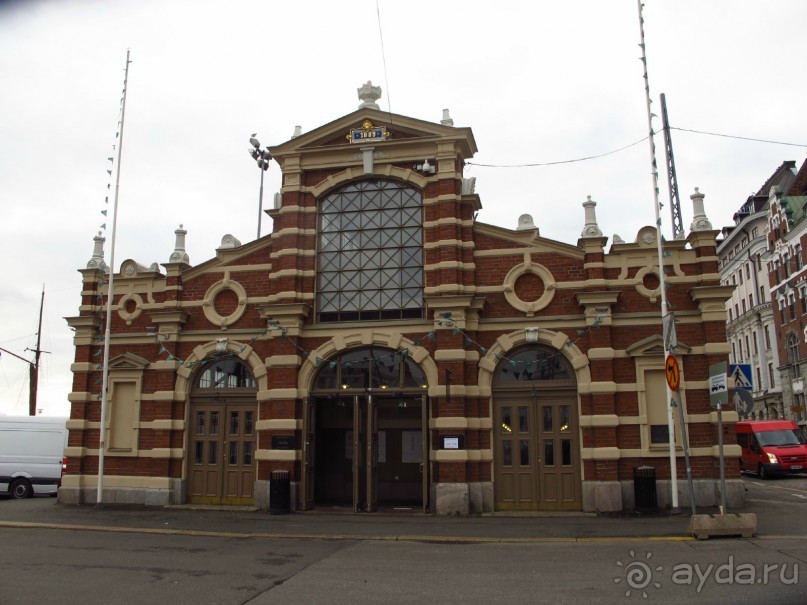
(222, 466)
(537, 453)
(372, 455)
(309, 453)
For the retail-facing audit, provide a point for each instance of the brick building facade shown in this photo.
(386, 349)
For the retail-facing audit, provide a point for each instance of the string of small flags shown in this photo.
(445, 321)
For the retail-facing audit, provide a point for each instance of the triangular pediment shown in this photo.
(128, 361)
(528, 240)
(399, 129)
(654, 345)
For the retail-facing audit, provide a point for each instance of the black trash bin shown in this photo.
(279, 493)
(644, 487)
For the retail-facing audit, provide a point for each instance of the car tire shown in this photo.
(21, 488)
(763, 474)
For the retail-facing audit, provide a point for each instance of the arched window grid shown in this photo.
(228, 373)
(370, 369)
(370, 252)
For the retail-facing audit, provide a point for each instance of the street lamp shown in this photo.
(262, 157)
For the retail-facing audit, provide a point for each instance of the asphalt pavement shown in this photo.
(333, 524)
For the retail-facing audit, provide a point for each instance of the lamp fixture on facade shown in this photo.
(425, 167)
(262, 157)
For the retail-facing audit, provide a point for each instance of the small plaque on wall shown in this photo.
(282, 442)
(453, 442)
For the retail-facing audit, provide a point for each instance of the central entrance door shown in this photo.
(366, 452)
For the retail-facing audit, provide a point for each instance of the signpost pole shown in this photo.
(718, 395)
(722, 460)
(686, 449)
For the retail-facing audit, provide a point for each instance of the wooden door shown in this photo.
(515, 456)
(559, 453)
(222, 465)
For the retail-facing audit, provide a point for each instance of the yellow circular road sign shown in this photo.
(673, 372)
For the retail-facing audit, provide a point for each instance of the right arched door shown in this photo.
(536, 432)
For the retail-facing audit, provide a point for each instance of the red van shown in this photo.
(771, 447)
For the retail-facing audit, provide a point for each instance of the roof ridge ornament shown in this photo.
(369, 94)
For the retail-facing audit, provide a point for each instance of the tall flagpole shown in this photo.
(662, 283)
(99, 499)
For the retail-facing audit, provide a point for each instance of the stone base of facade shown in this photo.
(707, 493)
(462, 498)
(74, 496)
(263, 499)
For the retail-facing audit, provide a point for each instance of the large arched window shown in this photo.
(533, 363)
(228, 373)
(370, 252)
(370, 368)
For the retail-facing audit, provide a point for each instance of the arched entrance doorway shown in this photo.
(536, 433)
(223, 411)
(366, 433)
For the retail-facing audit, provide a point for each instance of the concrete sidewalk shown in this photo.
(337, 525)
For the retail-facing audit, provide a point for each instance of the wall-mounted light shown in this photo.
(425, 167)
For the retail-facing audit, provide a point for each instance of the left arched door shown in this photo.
(221, 448)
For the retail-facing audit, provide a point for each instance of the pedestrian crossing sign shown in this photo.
(741, 372)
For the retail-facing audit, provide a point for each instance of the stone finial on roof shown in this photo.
(525, 222)
(369, 94)
(179, 255)
(229, 241)
(591, 228)
(446, 121)
(97, 260)
(699, 220)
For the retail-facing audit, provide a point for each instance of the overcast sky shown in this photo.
(537, 81)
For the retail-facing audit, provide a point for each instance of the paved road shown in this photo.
(55, 554)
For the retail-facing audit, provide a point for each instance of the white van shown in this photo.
(31, 455)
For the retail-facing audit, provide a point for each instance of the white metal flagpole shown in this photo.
(662, 283)
(99, 499)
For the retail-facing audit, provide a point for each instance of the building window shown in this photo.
(786, 263)
(762, 294)
(767, 338)
(751, 301)
(797, 255)
(740, 273)
(755, 232)
(734, 351)
(370, 257)
(793, 354)
(759, 377)
(771, 375)
(748, 270)
(754, 340)
(792, 306)
(747, 348)
(731, 318)
(742, 302)
(226, 374)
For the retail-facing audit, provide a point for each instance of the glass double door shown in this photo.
(222, 447)
(537, 456)
(366, 452)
